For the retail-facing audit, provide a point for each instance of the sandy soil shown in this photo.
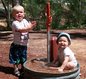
(38, 46)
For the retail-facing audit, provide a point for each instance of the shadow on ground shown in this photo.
(7, 70)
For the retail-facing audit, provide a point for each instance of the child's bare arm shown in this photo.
(64, 63)
(29, 27)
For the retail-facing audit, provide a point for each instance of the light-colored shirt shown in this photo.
(68, 52)
(20, 38)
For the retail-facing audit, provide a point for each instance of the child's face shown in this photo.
(63, 42)
(19, 14)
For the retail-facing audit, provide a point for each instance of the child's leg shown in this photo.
(23, 56)
(16, 70)
(15, 66)
(70, 65)
(22, 69)
(14, 57)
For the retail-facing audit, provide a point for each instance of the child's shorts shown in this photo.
(18, 54)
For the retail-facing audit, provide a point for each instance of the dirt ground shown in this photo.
(38, 46)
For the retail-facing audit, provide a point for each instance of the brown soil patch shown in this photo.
(38, 47)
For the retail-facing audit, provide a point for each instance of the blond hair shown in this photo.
(17, 8)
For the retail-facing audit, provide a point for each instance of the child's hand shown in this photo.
(60, 69)
(53, 68)
(33, 23)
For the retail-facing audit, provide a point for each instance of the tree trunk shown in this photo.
(6, 11)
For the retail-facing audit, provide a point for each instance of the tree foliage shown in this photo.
(65, 13)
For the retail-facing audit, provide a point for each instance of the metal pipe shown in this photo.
(48, 30)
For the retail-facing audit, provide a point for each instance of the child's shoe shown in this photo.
(16, 72)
